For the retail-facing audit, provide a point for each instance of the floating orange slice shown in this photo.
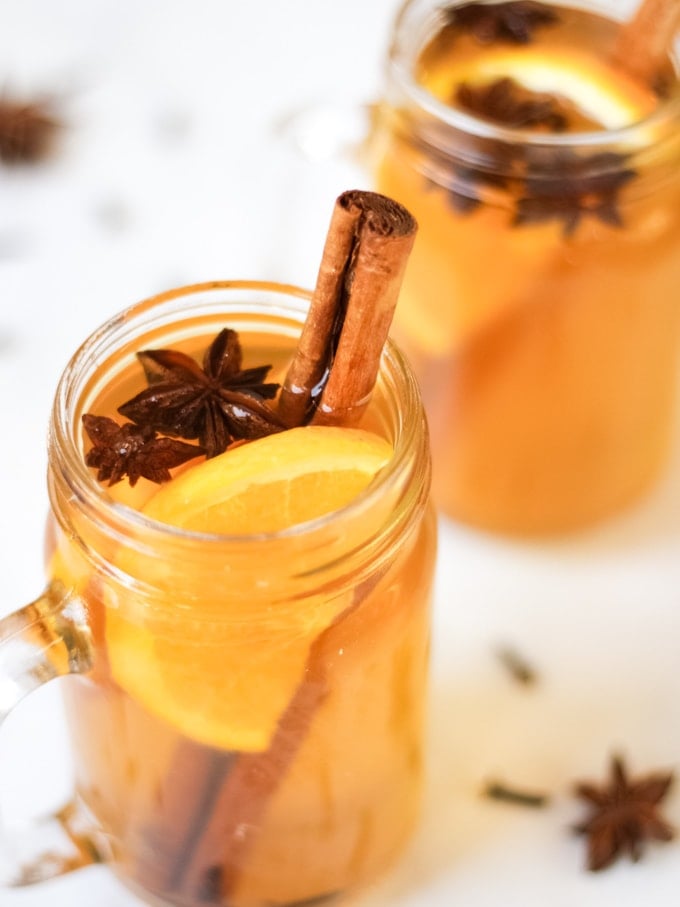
(602, 93)
(218, 662)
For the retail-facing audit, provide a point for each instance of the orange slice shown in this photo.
(602, 93)
(271, 484)
(220, 662)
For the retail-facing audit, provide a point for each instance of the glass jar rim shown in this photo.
(67, 465)
(403, 50)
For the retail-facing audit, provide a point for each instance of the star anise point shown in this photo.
(28, 130)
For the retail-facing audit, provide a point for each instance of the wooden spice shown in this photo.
(336, 364)
(644, 42)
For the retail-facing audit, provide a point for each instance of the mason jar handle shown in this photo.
(47, 639)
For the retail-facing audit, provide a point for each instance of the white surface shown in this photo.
(176, 167)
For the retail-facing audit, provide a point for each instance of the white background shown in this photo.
(179, 164)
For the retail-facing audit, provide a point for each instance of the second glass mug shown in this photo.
(162, 629)
(544, 330)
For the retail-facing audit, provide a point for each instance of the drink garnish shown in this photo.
(513, 22)
(133, 451)
(507, 102)
(567, 187)
(624, 815)
(266, 486)
(27, 130)
(217, 403)
(542, 185)
(644, 41)
(527, 87)
(516, 665)
(336, 363)
(498, 790)
(272, 483)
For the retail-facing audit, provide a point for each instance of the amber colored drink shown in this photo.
(540, 305)
(251, 731)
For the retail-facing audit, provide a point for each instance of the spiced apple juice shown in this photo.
(257, 707)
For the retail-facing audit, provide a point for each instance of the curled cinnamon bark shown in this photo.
(336, 364)
(644, 42)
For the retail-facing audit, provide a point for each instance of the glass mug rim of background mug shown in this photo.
(79, 500)
(417, 21)
(535, 250)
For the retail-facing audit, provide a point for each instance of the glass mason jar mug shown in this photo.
(540, 307)
(245, 712)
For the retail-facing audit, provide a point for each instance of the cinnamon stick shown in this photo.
(644, 42)
(336, 364)
(201, 858)
(330, 380)
(231, 828)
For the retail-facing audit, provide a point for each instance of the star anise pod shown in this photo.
(507, 102)
(27, 131)
(624, 815)
(218, 403)
(570, 187)
(133, 451)
(513, 22)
